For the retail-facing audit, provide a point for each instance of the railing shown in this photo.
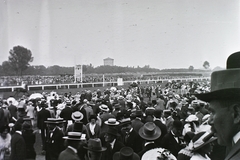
(97, 84)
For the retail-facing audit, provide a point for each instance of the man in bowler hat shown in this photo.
(224, 100)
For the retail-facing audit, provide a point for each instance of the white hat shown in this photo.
(77, 116)
(191, 118)
(112, 122)
(104, 107)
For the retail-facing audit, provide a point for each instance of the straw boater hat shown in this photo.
(55, 120)
(126, 153)
(76, 136)
(149, 131)
(112, 122)
(77, 116)
(104, 107)
(225, 84)
(95, 145)
(201, 139)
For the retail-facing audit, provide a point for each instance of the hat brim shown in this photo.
(104, 109)
(230, 93)
(57, 122)
(155, 136)
(90, 149)
(112, 124)
(116, 156)
(209, 141)
(77, 119)
(74, 139)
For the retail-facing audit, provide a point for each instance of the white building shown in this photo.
(108, 61)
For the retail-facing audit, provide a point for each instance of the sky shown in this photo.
(159, 33)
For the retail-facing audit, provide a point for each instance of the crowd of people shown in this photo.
(103, 124)
(66, 79)
(156, 122)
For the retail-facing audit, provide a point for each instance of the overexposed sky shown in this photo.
(159, 33)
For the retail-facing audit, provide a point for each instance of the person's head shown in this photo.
(167, 113)
(111, 134)
(149, 131)
(224, 101)
(73, 139)
(4, 130)
(202, 143)
(126, 126)
(77, 116)
(18, 126)
(93, 119)
(26, 127)
(95, 149)
(177, 128)
(158, 113)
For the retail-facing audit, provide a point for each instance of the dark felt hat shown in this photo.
(225, 84)
(95, 145)
(150, 131)
(126, 153)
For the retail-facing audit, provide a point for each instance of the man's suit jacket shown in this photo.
(68, 154)
(147, 148)
(2, 118)
(43, 115)
(134, 141)
(234, 153)
(13, 111)
(54, 144)
(163, 129)
(170, 143)
(137, 124)
(108, 154)
(66, 113)
(18, 147)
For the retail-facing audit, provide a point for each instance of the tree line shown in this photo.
(19, 60)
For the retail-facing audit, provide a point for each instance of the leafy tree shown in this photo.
(206, 65)
(6, 67)
(19, 59)
(191, 68)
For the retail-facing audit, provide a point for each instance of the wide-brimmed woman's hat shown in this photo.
(149, 131)
(77, 116)
(112, 122)
(158, 153)
(104, 107)
(201, 139)
(126, 153)
(225, 84)
(76, 136)
(191, 118)
(95, 145)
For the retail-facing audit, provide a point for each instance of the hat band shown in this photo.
(77, 117)
(96, 148)
(76, 137)
(149, 132)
